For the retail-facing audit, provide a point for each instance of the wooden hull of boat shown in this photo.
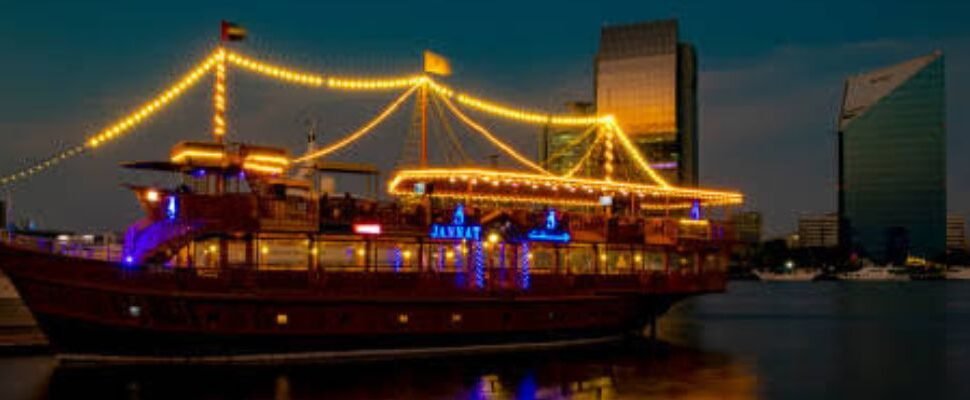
(103, 311)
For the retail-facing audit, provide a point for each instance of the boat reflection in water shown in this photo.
(661, 371)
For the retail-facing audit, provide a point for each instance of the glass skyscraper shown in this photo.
(892, 161)
(647, 79)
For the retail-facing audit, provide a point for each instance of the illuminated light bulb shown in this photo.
(151, 196)
(264, 250)
(361, 252)
(493, 238)
(406, 254)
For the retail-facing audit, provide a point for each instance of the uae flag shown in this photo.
(232, 32)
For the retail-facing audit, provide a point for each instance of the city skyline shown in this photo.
(745, 103)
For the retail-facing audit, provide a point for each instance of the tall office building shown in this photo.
(956, 232)
(892, 161)
(818, 230)
(647, 79)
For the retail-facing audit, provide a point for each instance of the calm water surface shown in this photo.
(778, 341)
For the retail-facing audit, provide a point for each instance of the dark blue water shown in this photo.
(777, 341)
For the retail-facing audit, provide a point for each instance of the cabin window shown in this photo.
(580, 259)
(283, 253)
(206, 253)
(654, 261)
(341, 255)
(236, 250)
(543, 259)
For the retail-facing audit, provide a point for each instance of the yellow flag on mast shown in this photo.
(436, 64)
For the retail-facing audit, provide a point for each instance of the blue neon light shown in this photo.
(458, 218)
(544, 236)
(171, 209)
(551, 231)
(695, 210)
(457, 230)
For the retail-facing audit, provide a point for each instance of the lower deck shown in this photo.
(96, 307)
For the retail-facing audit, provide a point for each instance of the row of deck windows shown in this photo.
(300, 254)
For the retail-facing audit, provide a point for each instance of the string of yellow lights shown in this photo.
(509, 112)
(375, 84)
(707, 196)
(131, 120)
(275, 71)
(319, 80)
(634, 153)
(346, 140)
(491, 138)
(219, 97)
(125, 124)
(608, 155)
(49, 162)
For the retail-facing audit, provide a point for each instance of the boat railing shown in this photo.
(357, 280)
(105, 251)
(419, 282)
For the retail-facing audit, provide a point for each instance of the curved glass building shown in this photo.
(892, 161)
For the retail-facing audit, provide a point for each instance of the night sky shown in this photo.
(770, 82)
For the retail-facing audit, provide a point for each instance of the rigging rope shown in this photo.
(495, 141)
(393, 106)
(453, 139)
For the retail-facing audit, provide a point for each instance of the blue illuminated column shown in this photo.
(524, 265)
(478, 264)
(461, 259)
(441, 259)
(397, 259)
(459, 256)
